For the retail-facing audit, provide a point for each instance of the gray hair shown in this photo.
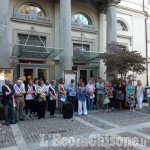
(18, 81)
(53, 81)
(7, 80)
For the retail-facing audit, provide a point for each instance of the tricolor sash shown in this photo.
(30, 90)
(62, 87)
(42, 89)
(9, 89)
(18, 88)
(54, 91)
(55, 95)
(35, 86)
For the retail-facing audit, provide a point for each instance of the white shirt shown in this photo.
(139, 92)
(47, 88)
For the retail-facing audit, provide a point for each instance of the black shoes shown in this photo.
(16, 120)
(22, 119)
(7, 124)
(12, 122)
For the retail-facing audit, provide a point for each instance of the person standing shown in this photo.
(52, 99)
(148, 96)
(100, 93)
(46, 86)
(23, 85)
(139, 94)
(42, 98)
(82, 99)
(90, 89)
(130, 95)
(30, 98)
(108, 94)
(120, 93)
(35, 102)
(61, 93)
(8, 100)
(72, 93)
(19, 97)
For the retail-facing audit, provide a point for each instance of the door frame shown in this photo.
(35, 68)
(88, 72)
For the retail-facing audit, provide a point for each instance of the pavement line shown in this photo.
(103, 121)
(90, 125)
(21, 144)
(10, 148)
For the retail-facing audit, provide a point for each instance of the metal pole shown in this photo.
(146, 13)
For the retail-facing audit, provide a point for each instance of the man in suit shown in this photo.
(7, 101)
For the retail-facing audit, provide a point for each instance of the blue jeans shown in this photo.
(90, 103)
(9, 105)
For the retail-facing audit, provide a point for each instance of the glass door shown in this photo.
(42, 74)
(83, 75)
(27, 74)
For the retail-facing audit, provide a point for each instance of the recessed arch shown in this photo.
(81, 18)
(122, 25)
(26, 8)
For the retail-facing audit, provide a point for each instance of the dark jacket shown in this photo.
(6, 99)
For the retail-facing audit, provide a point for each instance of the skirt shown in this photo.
(120, 97)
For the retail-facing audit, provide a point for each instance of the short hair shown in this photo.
(40, 81)
(20, 77)
(47, 80)
(72, 80)
(6, 80)
(30, 80)
(53, 81)
(99, 78)
(61, 80)
(107, 82)
(35, 79)
(19, 81)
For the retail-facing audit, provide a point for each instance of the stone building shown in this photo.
(50, 37)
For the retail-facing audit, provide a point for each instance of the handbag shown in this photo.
(106, 101)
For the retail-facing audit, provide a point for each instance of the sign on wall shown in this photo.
(31, 16)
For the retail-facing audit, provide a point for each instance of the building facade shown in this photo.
(50, 37)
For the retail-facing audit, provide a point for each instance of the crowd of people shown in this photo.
(33, 97)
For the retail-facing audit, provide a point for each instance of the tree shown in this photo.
(119, 61)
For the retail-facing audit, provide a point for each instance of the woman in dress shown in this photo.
(61, 93)
(29, 99)
(46, 86)
(42, 98)
(120, 94)
(108, 93)
(52, 99)
(82, 99)
(130, 95)
(139, 94)
(35, 103)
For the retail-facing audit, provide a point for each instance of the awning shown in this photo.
(85, 56)
(31, 51)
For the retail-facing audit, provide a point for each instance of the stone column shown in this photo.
(102, 41)
(111, 21)
(65, 36)
(4, 34)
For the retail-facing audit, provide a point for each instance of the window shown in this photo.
(33, 39)
(29, 7)
(121, 26)
(81, 19)
(77, 46)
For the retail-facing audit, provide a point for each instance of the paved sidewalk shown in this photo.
(118, 130)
